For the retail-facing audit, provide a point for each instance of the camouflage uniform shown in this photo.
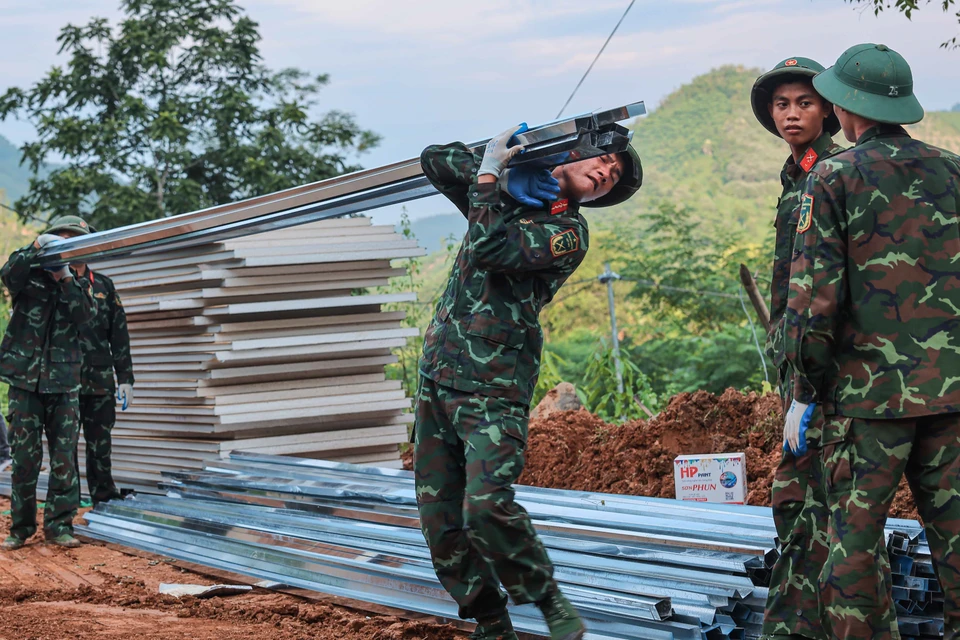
(480, 363)
(105, 344)
(4, 443)
(797, 498)
(873, 333)
(40, 360)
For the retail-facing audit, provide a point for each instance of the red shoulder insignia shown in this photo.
(559, 206)
(809, 160)
(806, 213)
(564, 242)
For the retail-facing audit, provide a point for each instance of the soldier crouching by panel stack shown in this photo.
(105, 344)
(40, 359)
(481, 360)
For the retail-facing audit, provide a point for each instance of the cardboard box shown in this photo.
(714, 477)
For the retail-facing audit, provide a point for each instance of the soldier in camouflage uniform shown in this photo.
(786, 104)
(873, 334)
(105, 344)
(4, 445)
(40, 360)
(480, 363)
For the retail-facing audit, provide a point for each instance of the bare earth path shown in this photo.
(49, 593)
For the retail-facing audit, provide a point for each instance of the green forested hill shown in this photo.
(703, 149)
(14, 178)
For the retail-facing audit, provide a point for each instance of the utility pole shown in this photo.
(607, 277)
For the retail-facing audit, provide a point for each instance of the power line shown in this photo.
(590, 68)
(578, 288)
(655, 285)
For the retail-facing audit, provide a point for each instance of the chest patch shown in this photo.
(100, 296)
(564, 242)
(806, 213)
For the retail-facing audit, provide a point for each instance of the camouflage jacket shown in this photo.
(873, 320)
(788, 209)
(105, 342)
(41, 348)
(485, 336)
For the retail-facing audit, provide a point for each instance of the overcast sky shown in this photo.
(425, 71)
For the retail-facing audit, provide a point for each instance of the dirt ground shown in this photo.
(49, 593)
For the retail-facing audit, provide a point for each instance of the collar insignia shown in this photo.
(809, 159)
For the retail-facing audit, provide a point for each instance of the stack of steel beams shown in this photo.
(636, 567)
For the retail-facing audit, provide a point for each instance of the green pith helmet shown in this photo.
(872, 81)
(789, 70)
(74, 224)
(629, 182)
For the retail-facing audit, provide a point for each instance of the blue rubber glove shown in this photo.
(529, 186)
(795, 427)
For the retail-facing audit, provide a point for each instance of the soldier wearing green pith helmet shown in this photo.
(40, 359)
(481, 359)
(873, 337)
(787, 105)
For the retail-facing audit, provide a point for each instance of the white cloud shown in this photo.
(443, 20)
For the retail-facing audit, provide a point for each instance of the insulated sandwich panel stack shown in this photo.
(272, 343)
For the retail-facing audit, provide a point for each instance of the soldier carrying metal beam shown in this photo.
(40, 360)
(480, 363)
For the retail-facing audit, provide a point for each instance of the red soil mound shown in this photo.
(576, 450)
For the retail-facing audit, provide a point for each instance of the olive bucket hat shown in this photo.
(73, 224)
(872, 81)
(789, 70)
(629, 183)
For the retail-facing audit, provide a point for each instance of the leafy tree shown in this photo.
(685, 275)
(712, 362)
(170, 111)
(419, 312)
(907, 7)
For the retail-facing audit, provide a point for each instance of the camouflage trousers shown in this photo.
(57, 415)
(4, 442)
(800, 514)
(468, 451)
(863, 463)
(97, 415)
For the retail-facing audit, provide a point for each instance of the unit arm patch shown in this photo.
(564, 242)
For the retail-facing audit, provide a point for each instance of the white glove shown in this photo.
(498, 154)
(125, 395)
(795, 427)
(46, 238)
(60, 273)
